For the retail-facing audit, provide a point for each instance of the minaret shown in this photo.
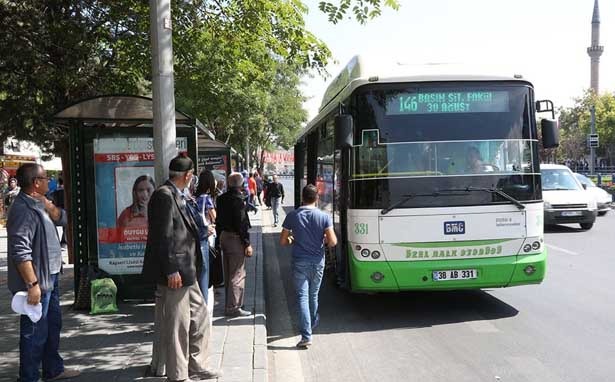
(595, 50)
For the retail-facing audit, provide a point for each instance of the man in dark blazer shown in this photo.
(173, 261)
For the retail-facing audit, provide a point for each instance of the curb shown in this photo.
(259, 361)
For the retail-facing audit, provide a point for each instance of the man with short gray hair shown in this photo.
(232, 223)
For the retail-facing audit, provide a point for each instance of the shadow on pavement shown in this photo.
(560, 228)
(345, 312)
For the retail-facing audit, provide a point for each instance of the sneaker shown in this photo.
(66, 374)
(238, 313)
(304, 343)
(209, 373)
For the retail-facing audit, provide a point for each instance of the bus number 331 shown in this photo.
(360, 228)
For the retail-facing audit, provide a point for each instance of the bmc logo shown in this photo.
(454, 228)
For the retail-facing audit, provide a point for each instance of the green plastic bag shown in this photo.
(103, 295)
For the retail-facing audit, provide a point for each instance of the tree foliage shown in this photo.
(237, 62)
(363, 10)
(56, 52)
(575, 126)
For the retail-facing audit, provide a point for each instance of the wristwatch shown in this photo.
(32, 284)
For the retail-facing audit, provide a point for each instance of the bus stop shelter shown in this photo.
(110, 179)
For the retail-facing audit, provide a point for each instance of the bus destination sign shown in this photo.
(448, 102)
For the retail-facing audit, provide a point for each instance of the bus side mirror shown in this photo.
(343, 131)
(550, 133)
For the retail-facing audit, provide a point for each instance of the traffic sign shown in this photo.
(593, 141)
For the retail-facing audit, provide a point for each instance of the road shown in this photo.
(560, 330)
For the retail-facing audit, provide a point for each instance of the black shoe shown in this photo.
(238, 313)
(208, 373)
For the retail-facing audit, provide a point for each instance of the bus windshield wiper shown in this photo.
(398, 203)
(405, 198)
(453, 191)
(496, 191)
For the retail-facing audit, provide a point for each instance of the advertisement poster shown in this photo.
(124, 179)
(217, 164)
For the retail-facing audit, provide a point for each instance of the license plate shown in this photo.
(572, 213)
(460, 274)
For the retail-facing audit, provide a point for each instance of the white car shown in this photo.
(565, 199)
(603, 198)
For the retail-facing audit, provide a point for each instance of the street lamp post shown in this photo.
(163, 94)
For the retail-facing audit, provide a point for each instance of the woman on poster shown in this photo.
(135, 215)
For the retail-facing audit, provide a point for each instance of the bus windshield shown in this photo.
(419, 138)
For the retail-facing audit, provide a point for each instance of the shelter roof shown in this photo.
(116, 109)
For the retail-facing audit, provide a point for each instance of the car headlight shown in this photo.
(547, 205)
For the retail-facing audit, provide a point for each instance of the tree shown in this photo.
(227, 54)
(575, 127)
(56, 52)
(363, 10)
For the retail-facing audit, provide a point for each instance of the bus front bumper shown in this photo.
(495, 272)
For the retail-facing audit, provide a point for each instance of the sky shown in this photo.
(544, 40)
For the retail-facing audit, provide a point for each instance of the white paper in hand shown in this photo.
(20, 305)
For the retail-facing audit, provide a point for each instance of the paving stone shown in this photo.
(118, 347)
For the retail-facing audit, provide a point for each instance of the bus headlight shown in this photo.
(375, 255)
(535, 245)
(527, 247)
(365, 252)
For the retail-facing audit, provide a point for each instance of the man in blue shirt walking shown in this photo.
(308, 229)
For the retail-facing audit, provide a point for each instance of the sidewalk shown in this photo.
(118, 347)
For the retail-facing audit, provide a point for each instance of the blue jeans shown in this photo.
(307, 277)
(39, 342)
(204, 276)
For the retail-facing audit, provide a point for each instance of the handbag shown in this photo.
(216, 267)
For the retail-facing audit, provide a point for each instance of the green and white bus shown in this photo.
(433, 181)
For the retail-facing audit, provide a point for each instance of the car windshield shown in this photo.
(585, 180)
(558, 179)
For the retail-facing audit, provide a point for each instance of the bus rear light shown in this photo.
(377, 277)
(365, 252)
(529, 270)
(375, 255)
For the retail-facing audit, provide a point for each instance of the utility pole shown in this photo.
(163, 94)
(592, 150)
